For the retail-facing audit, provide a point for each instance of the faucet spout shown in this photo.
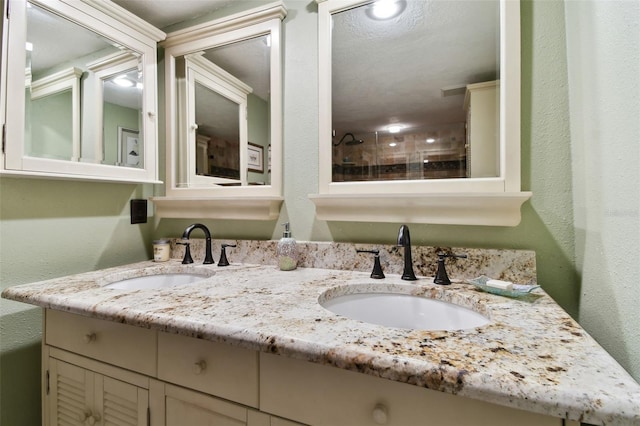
(208, 257)
(404, 240)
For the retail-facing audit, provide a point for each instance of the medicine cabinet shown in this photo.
(224, 118)
(419, 112)
(79, 91)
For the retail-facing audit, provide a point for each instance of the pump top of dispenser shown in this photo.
(287, 232)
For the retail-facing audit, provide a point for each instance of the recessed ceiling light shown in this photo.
(386, 9)
(123, 81)
(394, 129)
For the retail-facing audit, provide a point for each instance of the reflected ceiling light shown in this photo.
(123, 81)
(430, 140)
(392, 144)
(394, 129)
(425, 161)
(386, 9)
(29, 47)
(139, 86)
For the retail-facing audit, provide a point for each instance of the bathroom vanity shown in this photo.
(251, 345)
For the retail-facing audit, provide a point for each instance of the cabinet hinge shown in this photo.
(47, 384)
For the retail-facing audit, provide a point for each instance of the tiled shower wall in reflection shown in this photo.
(434, 153)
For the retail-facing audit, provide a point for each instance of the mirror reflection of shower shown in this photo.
(434, 152)
(350, 142)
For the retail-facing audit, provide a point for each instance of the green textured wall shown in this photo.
(50, 126)
(51, 229)
(116, 116)
(605, 134)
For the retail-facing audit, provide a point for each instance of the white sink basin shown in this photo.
(155, 278)
(156, 281)
(404, 311)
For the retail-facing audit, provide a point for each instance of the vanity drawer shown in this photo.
(320, 395)
(213, 368)
(123, 345)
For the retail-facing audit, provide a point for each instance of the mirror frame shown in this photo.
(251, 202)
(111, 22)
(201, 71)
(469, 201)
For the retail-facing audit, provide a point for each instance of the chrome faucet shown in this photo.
(404, 240)
(208, 257)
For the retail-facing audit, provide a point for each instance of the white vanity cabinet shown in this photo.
(100, 372)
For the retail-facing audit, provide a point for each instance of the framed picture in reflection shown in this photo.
(128, 147)
(255, 162)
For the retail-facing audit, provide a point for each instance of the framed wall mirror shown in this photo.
(224, 117)
(79, 73)
(419, 111)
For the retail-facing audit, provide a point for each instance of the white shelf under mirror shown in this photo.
(224, 118)
(433, 183)
(91, 129)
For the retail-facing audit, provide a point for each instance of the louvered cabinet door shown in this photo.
(71, 394)
(81, 397)
(120, 403)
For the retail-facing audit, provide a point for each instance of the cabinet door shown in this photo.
(185, 407)
(120, 403)
(81, 397)
(71, 394)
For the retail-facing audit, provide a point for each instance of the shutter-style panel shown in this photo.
(70, 386)
(123, 404)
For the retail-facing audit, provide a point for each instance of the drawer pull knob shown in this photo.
(380, 416)
(94, 419)
(89, 337)
(199, 367)
(84, 416)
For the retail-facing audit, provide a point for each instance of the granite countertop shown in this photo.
(532, 355)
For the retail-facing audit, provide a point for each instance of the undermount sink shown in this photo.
(156, 281)
(152, 278)
(395, 309)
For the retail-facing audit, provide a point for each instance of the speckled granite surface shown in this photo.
(531, 356)
(518, 266)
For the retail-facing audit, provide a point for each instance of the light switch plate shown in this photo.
(138, 211)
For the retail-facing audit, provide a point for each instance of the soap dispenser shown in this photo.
(287, 251)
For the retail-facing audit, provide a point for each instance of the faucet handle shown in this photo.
(441, 275)
(377, 267)
(223, 255)
(187, 250)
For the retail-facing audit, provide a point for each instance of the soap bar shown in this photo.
(502, 285)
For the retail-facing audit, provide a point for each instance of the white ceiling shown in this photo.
(162, 13)
(392, 71)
